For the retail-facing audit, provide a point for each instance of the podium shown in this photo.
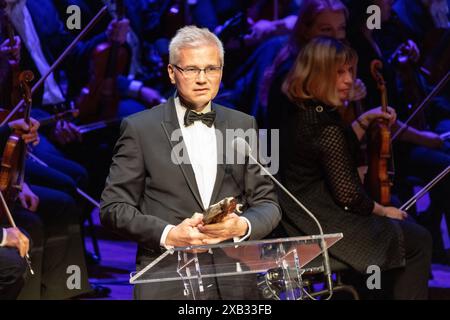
(276, 265)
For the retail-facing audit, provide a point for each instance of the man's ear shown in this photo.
(171, 73)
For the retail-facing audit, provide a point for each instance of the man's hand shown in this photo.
(407, 52)
(66, 132)
(187, 233)
(30, 135)
(117, 30)
(231, 226)
(13, 53)
(260, 31)
(28, 199)
(16, 239)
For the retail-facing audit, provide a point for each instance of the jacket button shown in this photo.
(319, 108)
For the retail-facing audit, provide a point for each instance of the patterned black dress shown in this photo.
(317, 164)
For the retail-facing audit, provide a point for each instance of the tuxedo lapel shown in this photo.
(220, 125)
(170, 124)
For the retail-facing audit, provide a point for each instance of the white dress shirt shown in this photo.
(201, 145)
(22, 21)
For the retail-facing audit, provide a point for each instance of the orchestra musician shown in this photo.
(317, 163)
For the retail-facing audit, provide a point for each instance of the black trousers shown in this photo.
(411, 282)
(31, 225)
(57, 245)
(12, 270)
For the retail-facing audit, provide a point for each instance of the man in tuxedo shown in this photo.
(151, 198)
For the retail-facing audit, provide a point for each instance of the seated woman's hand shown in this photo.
(394, 213)
(369, 116)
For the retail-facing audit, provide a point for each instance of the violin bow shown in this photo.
(408, 204)
(445, 136)
(424, 103)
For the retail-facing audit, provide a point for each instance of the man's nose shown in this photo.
(201, 77)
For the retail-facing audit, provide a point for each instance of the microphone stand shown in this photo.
(323, 245)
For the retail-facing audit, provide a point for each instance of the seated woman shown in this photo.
(317, 163)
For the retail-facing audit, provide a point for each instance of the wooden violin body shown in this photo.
(378, 181)
(99, 99)
(14, 155)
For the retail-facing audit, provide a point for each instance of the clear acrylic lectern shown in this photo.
(280, 260)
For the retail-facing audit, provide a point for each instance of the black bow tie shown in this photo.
(207, 118)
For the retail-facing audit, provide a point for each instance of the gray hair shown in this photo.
(192, 37)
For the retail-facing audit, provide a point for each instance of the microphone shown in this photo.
(243, 148)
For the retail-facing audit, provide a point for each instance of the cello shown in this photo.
(99, 100)
(378, 178)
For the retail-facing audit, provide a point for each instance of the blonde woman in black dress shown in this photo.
(317, 163)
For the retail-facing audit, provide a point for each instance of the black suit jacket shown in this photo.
(146, 191)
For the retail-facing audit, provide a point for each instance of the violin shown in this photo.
(9, 164)
(100, 98)
(15, 152)
(13, 161)
(378, 178)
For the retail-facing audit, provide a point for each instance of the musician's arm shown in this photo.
(423, 138)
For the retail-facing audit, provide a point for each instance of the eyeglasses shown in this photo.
(192, 72)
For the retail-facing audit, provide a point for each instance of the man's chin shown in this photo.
(203, 101)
